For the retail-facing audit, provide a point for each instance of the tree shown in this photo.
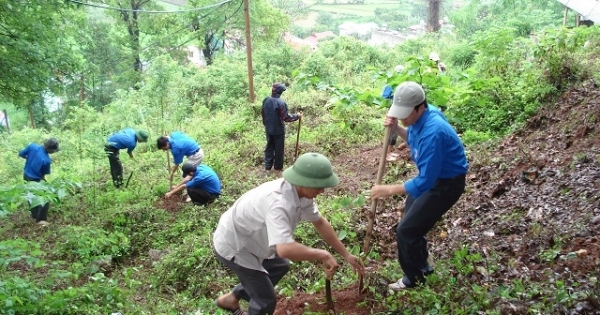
(434, 15)
(221, 26)
(38, 48)
(141, 34)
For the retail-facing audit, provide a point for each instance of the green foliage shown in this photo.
(33, 42)
(99, 295)
(34, 194)
(462, 55)
(185, 265)
(87, 244)
(12, 251)
(495, 82)
(559, 52)
(396, 19)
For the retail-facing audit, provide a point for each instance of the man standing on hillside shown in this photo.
(255, 237)
(125, 139)
(440, 157)
(37, 166)
(181, 145)
(274, 116)
(202, 184)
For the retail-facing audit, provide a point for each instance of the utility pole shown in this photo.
(249, 52)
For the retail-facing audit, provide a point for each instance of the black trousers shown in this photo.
(39, 212)
(257, 287)
(200, 196)
(116, 167)
(420, 215)
(274, 152)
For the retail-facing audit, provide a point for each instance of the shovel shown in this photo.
(328, 297)
(371, 215)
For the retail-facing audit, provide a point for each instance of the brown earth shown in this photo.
(525, 194)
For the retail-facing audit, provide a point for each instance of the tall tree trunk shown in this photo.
(434, 15)
(6, 121)
(31, 115)
(132, 20)
(208, 49)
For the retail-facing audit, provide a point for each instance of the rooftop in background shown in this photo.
(588, 9)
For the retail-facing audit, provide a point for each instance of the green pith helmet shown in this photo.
(141, 135)
(311, 170)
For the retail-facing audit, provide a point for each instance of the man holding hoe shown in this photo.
(181, 145)
(255, 237)
(125, 139)
(275, 114)
(440, 157)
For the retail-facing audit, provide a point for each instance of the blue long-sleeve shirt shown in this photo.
(436, 149)
(205, 178)
(182, 145)
(124, 139)
(37, 161)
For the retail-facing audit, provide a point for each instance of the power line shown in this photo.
(101, 6)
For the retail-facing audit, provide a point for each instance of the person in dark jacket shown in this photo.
(202, 183)
(37, 166)
(125, 139)
(274, 115)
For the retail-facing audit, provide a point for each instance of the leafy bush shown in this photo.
(185, 265)
(19, 249)
(34, 194)
(99, 296)
(87, 244)
(559, 52)
(462, 55)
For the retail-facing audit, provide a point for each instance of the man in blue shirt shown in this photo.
(202, 184)
(274, 114)
(181, 145)
(37, 166)
(125, 139)
(440, 157)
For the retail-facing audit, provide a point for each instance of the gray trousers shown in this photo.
(257, 287)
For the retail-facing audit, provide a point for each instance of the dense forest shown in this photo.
(520, 88)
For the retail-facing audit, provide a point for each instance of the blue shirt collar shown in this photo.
(419, 124)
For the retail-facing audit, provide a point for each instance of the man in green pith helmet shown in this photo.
(255, 237)
(125, 139)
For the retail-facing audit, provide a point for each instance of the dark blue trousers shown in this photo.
(116, 167)
(257, 287)
(420, 215)
(274, 152)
